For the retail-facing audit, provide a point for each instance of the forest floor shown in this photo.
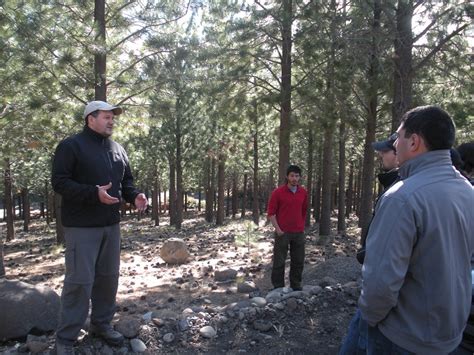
(153, 295)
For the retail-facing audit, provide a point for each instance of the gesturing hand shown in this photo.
(141, 202)
(104, 197)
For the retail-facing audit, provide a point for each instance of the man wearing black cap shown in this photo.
(387, 177)
(91, 172)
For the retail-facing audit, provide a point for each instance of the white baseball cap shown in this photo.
(101, 105)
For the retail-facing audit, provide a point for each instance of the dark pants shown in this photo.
(379, 344)
(295, 242)
(92, 271)
(355, 342)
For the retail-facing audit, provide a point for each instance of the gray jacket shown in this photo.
(417, 271)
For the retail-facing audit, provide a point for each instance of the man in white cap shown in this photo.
(91, 172)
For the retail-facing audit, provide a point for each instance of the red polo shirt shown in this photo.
(289, 208)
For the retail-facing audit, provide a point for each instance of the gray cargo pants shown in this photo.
(92, 272)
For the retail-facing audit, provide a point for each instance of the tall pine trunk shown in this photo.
(372, 96)
(209, 189)
(100, 57)
(9, 201)
(179, 169)
(285, 103)
(155, 201)
(2, 263)
(244, 196)
(255, 193)
(326, 183)
(220, 191)
(309, 185)
(341, 206)
(402, 60)
(26, 208)
(235, 195)
(172, 193)
(317, 187)
(350, 190)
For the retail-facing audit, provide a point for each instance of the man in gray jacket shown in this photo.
(416, 290)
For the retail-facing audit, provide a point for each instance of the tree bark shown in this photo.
(220, 191)
(402, 59)
(48, 203)
(285, 103)
(326, 183)
(59, 225)
(244, 197)
(317, 187)
(235, 195)
(26, 208)
(309, 185)
(368, 165)
(209, 190)
(255, 192)
(9, 202)
(2, 263)
(155, 202)
(227, 200)
(172, 193)
(350, 190)
(159, 198)
(179, 168)
(341, 206)
(100, 57)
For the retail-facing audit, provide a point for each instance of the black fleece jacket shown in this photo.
(82, 162)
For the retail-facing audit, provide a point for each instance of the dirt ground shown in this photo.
(310, 325)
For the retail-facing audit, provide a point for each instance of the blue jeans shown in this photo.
(355, 342)
(379, 344)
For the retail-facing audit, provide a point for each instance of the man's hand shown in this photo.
(141, 202)
(278, 230)
(104, 197)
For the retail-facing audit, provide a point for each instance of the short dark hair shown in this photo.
(433, 124)
(93, 113)
(293, 169)
(466, 151)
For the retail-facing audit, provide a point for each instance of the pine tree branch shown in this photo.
(112, 15)
(135, 94)
(430, 25)
(146, 28)
(440, 45)
(131, 66)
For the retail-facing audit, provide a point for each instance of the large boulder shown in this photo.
(26, 307)
(174, 251)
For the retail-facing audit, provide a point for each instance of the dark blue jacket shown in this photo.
(82, 162)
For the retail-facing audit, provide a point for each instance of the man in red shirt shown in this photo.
(287, 212)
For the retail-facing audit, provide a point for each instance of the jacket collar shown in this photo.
(93, 134)
(433, 158)
(388, 178)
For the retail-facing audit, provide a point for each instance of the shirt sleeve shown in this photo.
(62, 178)
(392, 235)
(272, 204)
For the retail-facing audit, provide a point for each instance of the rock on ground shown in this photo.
(225, 275)
(129, 327)
(25, 307)
(174, 251)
